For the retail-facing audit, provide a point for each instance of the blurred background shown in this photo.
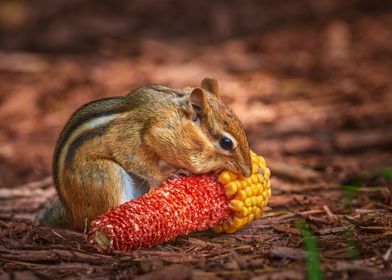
(310, 79)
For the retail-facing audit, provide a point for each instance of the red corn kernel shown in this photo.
(177, 207)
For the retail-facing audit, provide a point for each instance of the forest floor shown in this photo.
(318, 110)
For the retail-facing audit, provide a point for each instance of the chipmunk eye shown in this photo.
(226, 143)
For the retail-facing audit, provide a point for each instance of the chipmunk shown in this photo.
(109, 151)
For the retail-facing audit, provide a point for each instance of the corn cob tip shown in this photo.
(102, 240)
(249, 195)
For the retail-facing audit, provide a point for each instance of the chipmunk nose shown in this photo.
(246, 170)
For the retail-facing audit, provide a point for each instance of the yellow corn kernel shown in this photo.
(254, 178)
(236, 205)
(236, 222)
(254, 189)
(239, 184)
(250, 194)
(231, 185)
(254, 200)
(253, 156)
(217, 228)
(260, 200)
(248, 202)
(265, 195)
(244, 221)
(259, 188)
(226, 226)
(243, 213)
(231, 229)
(225, 177)
(251, 217)
(267, 172)
(262, 162)
(260, 178)
(249, 191)
(231, 189)
(241, 195)
(258, 212)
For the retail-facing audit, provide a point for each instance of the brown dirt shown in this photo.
(311, 83)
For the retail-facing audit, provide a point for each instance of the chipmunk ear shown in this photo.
(199, 102)
(211, 85)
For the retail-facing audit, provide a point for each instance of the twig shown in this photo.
(238, 260)
(350, 141)
(17, 217)
(329, 212)
(30, 189)
(288, 253)
(286, 229)
(377, 228)
(57, 234)
(52, 256)
(384, 205)
(26, 264)
(291, 171)
(331, 230)
(364, 211)
(23, 62)
(17, 193)
(387, 254)
(43, 183)
(310, 212)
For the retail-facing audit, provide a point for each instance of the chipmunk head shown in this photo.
(201, 134)
(229, 148)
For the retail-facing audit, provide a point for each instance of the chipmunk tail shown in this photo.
(53, 214)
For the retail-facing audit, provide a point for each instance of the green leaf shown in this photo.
(387, 173)
(314, 271)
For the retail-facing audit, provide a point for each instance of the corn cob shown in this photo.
(226, 203)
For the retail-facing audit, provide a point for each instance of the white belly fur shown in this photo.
(130, 189)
